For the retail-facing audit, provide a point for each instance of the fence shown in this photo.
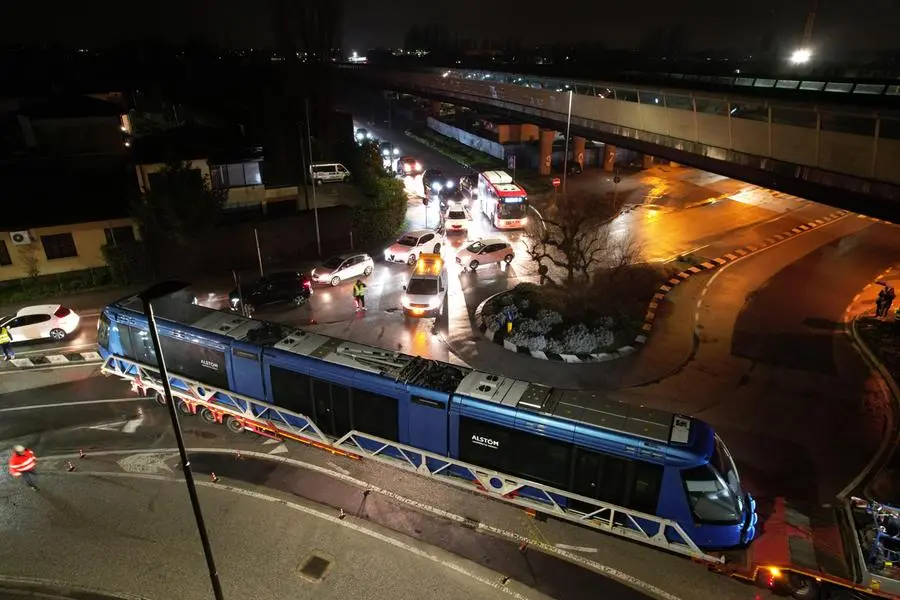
(471, 140)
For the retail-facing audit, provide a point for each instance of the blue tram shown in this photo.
(644, 460)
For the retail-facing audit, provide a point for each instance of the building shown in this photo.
(222, 155)
(59, 214)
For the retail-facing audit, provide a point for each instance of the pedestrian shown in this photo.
(359, 295)
(6, 343)
(889, 295)
(879, 302)
(22, 462)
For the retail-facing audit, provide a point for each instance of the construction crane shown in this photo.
(803, 54)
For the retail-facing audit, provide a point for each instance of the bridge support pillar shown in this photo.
(578, 148)
(647, 161)
(546, 146)
(434, 108)
(609, 157)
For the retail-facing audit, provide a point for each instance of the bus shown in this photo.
(657, 477)
(503, 201)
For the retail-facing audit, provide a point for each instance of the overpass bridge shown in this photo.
(779, 133)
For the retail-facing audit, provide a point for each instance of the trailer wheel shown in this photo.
(234, 425)
(207, 415)
(184, 408)
(160, 398)
(803, 587)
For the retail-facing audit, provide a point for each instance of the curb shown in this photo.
(52, 360)
(653, 306)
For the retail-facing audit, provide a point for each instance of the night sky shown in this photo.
(841, 25)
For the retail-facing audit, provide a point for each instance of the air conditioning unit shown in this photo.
(20, 238)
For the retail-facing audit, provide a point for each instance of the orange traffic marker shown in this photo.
(81, 453)
(69, 466)
(213, 478)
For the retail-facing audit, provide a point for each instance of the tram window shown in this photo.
(137, 345)
(612, 485)
(291, 390)
(647, 483)
(484, 444)
(194, 361)
(340, 405)
(321, 395)
(375, 414)
(541, 459)
(125, 340)
(711, 500)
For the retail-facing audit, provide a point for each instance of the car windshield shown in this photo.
(6, 319)
(511, 211)
(456, 214)
(451, 195)
(408, 240)
(475, 247)
(422, 287)
(334, 262)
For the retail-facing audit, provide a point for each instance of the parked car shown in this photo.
(407, 165)
(286, 286)
(328, 172)
(45, 321)
(341, 268)
(412, 244)
(456, 219)
(484, 252)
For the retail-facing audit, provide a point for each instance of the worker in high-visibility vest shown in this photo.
(359, 295)
(5, 341)
(22, 463)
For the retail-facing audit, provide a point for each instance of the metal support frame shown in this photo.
(272, 421)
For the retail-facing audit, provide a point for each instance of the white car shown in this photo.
(485, 252)
(412, 244)
(341, 268)
(51, 321)
(456, 219)
(426, 290)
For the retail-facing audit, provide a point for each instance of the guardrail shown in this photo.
(240, 413)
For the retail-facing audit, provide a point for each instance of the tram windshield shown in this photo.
(714, 489)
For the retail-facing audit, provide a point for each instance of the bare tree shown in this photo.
(573, 235)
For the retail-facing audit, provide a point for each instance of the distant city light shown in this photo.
(801, 56)
(356, 58)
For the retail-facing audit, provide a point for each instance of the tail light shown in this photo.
(307, 284)
(62, 312)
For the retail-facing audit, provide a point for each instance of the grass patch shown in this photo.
(476, 160)
(615, 301)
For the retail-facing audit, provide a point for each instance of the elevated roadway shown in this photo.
(841, 153)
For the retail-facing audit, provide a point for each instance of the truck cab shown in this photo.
(425, 293)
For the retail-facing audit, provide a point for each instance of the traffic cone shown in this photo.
(213, 478)
(238, 455)
(81, 453)
(522, 547)
(342, 515)
(69, 466)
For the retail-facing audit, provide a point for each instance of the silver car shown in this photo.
(341, 268)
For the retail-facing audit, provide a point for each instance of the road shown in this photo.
(403, 505)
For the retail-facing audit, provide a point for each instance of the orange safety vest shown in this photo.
(20, 463)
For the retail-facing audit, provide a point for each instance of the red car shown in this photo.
(408, 165)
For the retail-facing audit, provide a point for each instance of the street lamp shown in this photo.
(315, 207)
(148, 296)
(566, 154)
(801, 56)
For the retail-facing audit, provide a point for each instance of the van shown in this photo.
(328, 172)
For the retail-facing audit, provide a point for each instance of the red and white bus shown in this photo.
(503, 201)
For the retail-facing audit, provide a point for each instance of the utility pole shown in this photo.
(810, 23)
(315, 207)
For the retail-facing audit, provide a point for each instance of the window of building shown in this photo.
(235, 175)
(60, 245)
(116, 236)
(5, 259)
(158, 179)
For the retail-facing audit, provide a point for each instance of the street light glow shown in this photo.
(801, 56)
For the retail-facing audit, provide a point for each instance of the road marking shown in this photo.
(270, 441)
(132, 425)
(576, 558)
(79, 403)
(152, 462)
(576, 548)
(113, 426)
(281, 449)
(345, 522)
(339, 468)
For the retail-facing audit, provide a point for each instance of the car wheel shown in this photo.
(318, 182)
(248, 309)
(473, 265)
(299, 300)
(411, 260)
(335, 280)
(57, 334)
(508, 258)
(368, 271)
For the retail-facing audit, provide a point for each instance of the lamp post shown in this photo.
(148, 296)
(315, 208)
(566, 154)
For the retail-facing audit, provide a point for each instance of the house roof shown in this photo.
(65, 192)
(69, 107)
(190, 141)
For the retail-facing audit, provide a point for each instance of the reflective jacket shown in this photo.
(5, 337)
(359, 289)
(20, 463)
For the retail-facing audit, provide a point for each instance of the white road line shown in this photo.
(79, 403)
(549, 548)
(132, 425)
(345, 522)
(575, 548)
